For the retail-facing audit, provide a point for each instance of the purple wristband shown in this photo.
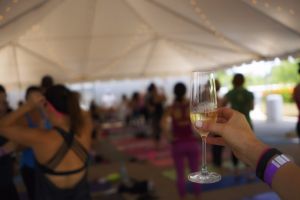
(273, 166)
(269, 173)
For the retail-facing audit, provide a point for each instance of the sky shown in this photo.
(257, 68)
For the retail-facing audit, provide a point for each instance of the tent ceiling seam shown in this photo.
(273, 19)
(138, 15)
(23, 14)
(150, 54)
(17, 68)
(38, 56)
(5, 45)
(204, 55)
(88, 46)
(182, 57)
(121, 57)
(199, 26)
(81, 37)
(202, 44)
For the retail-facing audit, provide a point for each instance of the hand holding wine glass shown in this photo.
(203, 109)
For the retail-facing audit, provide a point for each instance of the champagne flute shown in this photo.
(203, 108)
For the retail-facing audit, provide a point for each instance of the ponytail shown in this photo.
(74, 111)
(66, 102)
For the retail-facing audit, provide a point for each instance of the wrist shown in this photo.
(275, 163)
(257, 148)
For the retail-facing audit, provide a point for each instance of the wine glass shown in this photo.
(203, 108)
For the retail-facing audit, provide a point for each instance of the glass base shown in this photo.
(210, 177)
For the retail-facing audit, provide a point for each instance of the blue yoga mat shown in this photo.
(264, 196)
(226, 181)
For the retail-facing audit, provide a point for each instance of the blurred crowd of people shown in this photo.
(142, 109)
(50, 124)
(149, 109)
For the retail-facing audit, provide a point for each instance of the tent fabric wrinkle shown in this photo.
(80, 40)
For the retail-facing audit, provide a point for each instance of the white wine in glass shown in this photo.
(198, 118)
(203, 109)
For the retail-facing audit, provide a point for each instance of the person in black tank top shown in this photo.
(45, 189)
(61, 153)
(8, 190)
(155, 109)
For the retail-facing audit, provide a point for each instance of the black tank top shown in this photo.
(46, 190)
(6, 166)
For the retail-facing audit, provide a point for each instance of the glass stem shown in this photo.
(204, 171)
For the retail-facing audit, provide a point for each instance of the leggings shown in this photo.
(28, 175)
(8, 192)
(186, 150)
(217, 155)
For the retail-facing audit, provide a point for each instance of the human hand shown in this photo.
(35, 100)
(236, 133)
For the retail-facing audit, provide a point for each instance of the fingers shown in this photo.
(225, 113)
(221, 120)
(220, 127)
(217, 128)
(216, 141)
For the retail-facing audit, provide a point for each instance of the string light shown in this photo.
(277, 7)
(193, 2)
(7, 9)
(291, 11)
(267, 5)
(209, 25)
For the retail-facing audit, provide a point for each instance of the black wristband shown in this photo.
(262, 163)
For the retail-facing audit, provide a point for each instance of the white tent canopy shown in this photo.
(83, 40)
